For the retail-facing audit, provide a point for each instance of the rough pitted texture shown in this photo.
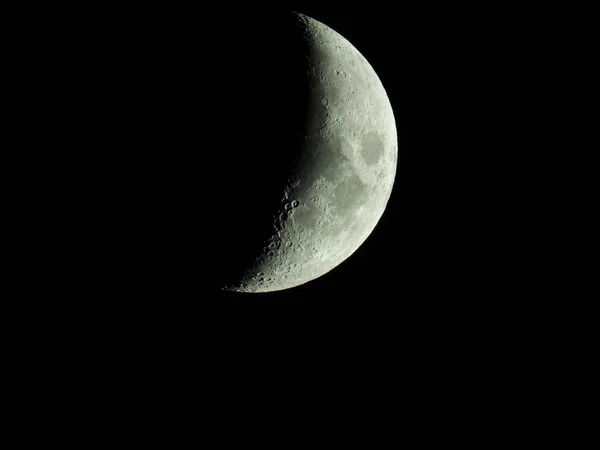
(342, 180)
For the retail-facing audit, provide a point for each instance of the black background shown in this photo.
(439, 269)
(440, 312)
(421, 314)
(447, 262)
(146, 78)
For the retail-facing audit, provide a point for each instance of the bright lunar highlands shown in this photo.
(342, 177)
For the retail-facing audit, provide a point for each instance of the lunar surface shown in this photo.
(341, 174)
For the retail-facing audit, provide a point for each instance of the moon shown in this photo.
(343, 172)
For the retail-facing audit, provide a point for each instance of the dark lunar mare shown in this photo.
(194, 126)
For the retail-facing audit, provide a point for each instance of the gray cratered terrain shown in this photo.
(341, 177)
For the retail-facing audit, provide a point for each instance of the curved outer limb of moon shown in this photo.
(344, 176)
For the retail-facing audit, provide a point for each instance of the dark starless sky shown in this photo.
(437, 273)
(430, 245)
(439, 263)
(447, 257)
(439, 268)
(423, 309)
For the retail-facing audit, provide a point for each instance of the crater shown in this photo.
(307, 217)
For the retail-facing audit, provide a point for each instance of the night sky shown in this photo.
(428, 257)
(441, 269)
(147, 122)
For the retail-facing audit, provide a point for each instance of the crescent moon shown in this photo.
(341, 182)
